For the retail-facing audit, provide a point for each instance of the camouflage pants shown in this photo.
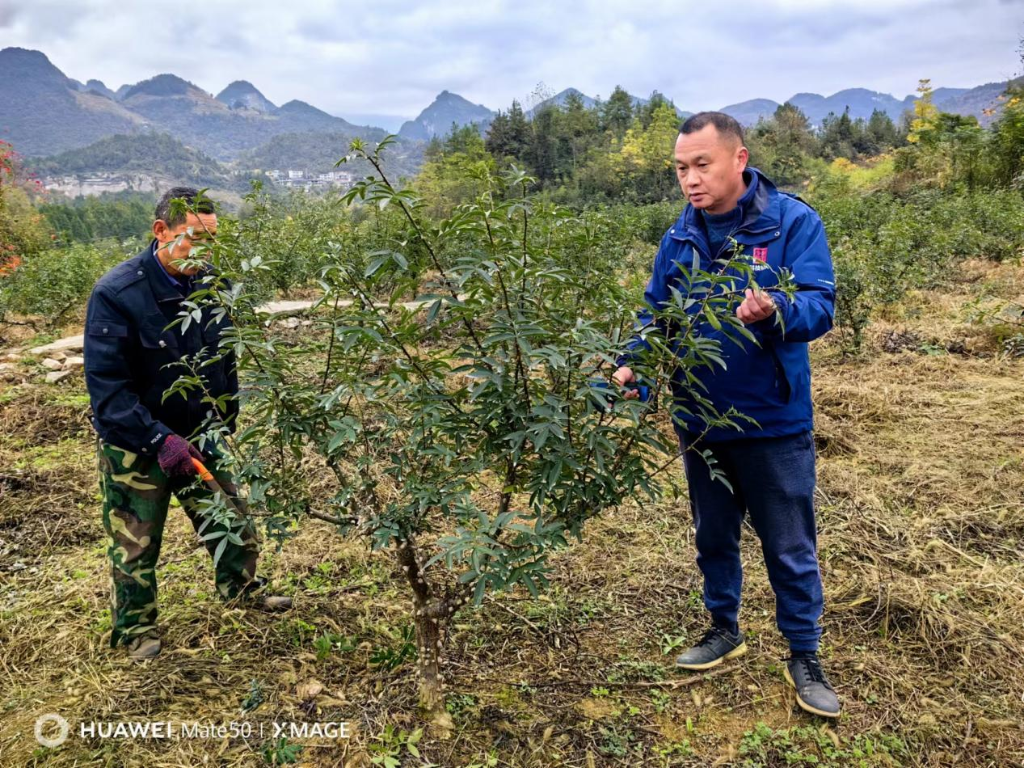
(136, 496)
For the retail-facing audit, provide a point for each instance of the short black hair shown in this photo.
(195, 201)
(725, 124)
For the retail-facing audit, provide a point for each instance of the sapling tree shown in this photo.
(455, 386)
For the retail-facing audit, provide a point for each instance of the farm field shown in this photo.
(420, 374)
(920, 530)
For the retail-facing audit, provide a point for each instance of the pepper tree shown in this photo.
(455, 386)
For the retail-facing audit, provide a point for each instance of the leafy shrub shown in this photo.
(22, 229)
(55, 283)
(885, 244)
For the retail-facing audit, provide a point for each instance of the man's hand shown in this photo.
(624, 377)
(175, 457)
(757, 305)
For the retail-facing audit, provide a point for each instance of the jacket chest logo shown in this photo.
(760, 259)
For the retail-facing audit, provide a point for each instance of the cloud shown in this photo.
(393, 56)
(7, 13)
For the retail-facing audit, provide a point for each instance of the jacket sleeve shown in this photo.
(120, 417)
(656, 293)
(810, 312)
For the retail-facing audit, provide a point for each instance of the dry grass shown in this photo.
(921, 537)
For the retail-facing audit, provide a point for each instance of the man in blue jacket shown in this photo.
(144, 449)
(770, 465)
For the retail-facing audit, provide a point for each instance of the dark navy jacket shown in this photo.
(129, 356)
(770, 383)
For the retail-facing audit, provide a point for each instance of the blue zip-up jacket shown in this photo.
(770, 383)
(129, 356)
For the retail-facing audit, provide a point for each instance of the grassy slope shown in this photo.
(921, 541)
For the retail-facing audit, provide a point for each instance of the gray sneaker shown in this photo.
(814, 693)
(272, 603)
(716, 646)
(145, 646)
(255, 595)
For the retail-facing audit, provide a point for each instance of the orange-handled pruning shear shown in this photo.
(211, 483)
(204, 473)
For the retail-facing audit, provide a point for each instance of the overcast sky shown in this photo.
(394, 56)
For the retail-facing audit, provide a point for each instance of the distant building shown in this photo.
(311, 180)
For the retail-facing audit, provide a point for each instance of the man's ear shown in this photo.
(742, 156)
(160, 230)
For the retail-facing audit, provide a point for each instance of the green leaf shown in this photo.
(375, 265)
(219, 552)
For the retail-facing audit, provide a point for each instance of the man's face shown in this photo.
(197, 229)
(710, 168)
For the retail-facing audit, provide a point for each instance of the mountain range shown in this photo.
(979, 101)
(43, 112)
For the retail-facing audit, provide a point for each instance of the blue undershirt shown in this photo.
(176, 282)
(721, 226)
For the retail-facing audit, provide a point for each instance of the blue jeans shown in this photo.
(772, 479)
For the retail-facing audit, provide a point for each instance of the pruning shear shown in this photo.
(211, 482)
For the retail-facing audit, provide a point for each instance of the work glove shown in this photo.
(175, 457)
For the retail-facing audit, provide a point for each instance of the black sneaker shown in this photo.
(814, 693)
(716, 646)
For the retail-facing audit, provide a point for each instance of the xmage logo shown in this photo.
(51, 740)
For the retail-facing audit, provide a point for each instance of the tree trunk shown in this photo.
(431, 614)
(428, 641)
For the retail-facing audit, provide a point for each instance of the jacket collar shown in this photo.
(157, 276)
(761, 214)
(158, 282)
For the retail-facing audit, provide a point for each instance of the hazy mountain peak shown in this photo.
(164, 85)
(445, 110)
(750, 111)
(447, 97)
(241, 86)
(301, 107)
(242, 94)
(31, 66)
(25, 56)
(560, 98)
(97, 86)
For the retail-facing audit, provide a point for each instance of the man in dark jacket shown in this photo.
(769, 465)
(144, 449)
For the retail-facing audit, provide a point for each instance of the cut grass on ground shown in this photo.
(921, 528)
